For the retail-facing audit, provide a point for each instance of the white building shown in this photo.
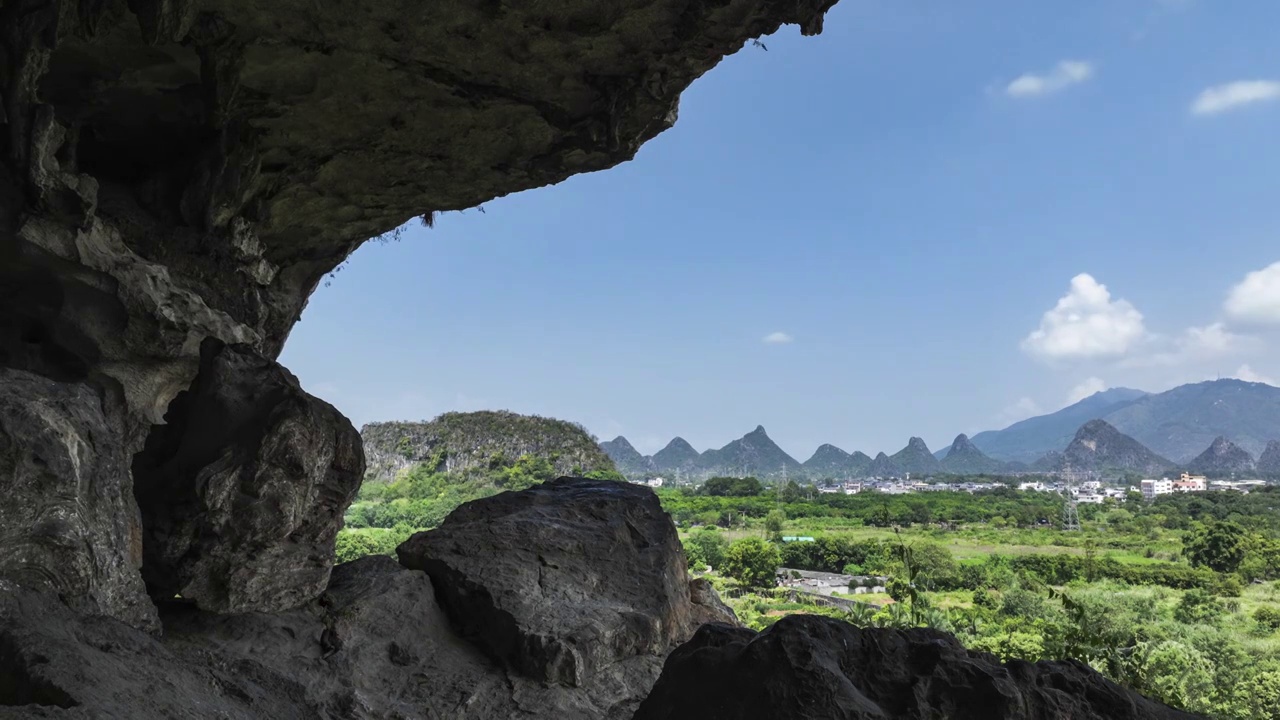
(1190, 483)
(1152, 488)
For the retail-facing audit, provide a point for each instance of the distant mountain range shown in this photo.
(756, 454)
(1178, 424)
(1217, 427)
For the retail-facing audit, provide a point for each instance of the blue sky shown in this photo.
(948, 215)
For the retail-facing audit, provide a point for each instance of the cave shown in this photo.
(176, 178)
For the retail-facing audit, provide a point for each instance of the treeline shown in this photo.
(1258, 510)
(940, 571)
(999, 507)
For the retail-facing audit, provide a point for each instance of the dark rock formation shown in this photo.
(175, 171)
(565, 581)
(378, 644)
(816, 668)
(964, 458)
(915, 458)
(68, 524)
(242, 491)
(460, 441)
(1223, 457)
(179, 170)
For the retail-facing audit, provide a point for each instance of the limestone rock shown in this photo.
(375, 645)
(242, 491)
(807, 667)
(68, 522)
(707, 605)
(563, 581)
(460, 441)
(175, 169)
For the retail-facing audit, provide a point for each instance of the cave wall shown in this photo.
(178, 171)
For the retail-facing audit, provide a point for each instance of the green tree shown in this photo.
(706, 547)
(773, 522)
(1221, 546)
(1262, 693)
(731, 487)
(938, 570)
(1177, 674)
(752, 562)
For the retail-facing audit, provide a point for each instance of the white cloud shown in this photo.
(1195, 346)
(1063, 75)
(1210, 341)
(1233, 95)
(1246, 373)
(1086, 323)
(1021, 409)
(777, 338)
(1087, 387)
(1256, 298)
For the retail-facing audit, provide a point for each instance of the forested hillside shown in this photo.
(462, 441)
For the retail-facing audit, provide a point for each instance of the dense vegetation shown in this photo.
(1177, 598)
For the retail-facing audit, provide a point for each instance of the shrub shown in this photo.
(1267, 617)
(1197, 606)
(1020, 602)
(1230, 586)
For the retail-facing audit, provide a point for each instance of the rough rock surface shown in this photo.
(242, 491)
(815, 668)
(565, 581)
(191, 168)
(375, 644)
(68, 524)
(177, 170)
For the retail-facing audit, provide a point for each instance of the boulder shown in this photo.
(242, 491)
(68, 522)
(807, 667)
(566, 580)
(375, 644)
